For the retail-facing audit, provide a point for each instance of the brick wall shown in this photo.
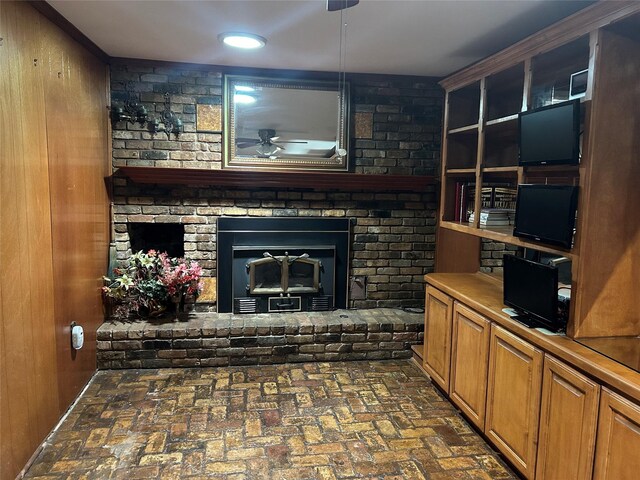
(394, 233)
(491, 255)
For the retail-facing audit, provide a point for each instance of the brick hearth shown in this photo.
(210, 339)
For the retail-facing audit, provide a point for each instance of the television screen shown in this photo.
(532, 288)
(546, 213)
(550, 135)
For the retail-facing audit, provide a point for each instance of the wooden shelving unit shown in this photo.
(480, 148)
(251, 178)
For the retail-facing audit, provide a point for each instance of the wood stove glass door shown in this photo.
(266, 276)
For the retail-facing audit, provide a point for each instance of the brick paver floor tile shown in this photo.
(374, 420)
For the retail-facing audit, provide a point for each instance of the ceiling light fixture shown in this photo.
(244, 99)
(268, 150)
(242, 40)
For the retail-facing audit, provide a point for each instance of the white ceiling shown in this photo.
(417, 37)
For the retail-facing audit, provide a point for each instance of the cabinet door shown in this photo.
(513, 398)
(568, 418)
(437, 336)
(618, 445)
(470, 362)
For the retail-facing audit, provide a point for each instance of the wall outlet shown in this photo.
(358, 288)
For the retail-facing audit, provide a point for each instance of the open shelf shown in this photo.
(505, 92)
(269, 179)
(496, 121)
(510, 169)
(505, 235)
(462, 150)
(460, 171)
(553, 176)
(464, 106)
(465, 129)
(552, 72)
(501, 143)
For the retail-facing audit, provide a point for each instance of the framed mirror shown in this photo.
(286, 124)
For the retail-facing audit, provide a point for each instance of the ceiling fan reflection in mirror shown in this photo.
(266, 142)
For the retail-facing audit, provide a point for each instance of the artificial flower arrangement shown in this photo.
(150, 283)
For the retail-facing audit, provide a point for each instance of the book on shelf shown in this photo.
(493, 196)
(458, 201)
(499, 196)
(464, 201)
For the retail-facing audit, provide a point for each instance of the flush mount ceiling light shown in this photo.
(242, 40)
(244, 99)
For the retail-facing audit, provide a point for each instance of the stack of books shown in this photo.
(494, 217)
(493, 196)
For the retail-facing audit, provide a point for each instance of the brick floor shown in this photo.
(341, 420)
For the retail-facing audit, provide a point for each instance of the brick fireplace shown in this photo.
(396, 125)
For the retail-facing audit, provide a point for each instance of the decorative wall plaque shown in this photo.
(208, 118)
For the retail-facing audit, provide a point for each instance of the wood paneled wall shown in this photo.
(54, 152)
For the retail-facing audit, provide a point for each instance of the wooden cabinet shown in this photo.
(618, 445)
(513, 398)
(469, 362)
(437, 336)
(549, 420)
(568, 418)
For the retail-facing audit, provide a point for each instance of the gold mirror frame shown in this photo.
(303, 141)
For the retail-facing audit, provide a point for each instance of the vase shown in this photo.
(178, 302)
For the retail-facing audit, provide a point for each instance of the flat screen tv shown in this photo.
(550, 135)
(531, 289)
(546, 213)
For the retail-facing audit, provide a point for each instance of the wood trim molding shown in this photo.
(580, 23)
(66, 26)
(270, 72)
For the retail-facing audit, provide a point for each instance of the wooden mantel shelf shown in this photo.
(260, 178)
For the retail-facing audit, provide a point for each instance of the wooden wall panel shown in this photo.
(457, 252)
(606, 301)
(76, 95)
(35, 385)
(29, 365)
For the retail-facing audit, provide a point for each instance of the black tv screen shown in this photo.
(550, 135)
(532, 288)
(546, 213)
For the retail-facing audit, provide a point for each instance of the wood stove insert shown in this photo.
(282, 264)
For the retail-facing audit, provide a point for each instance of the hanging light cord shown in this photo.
(342, 79)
